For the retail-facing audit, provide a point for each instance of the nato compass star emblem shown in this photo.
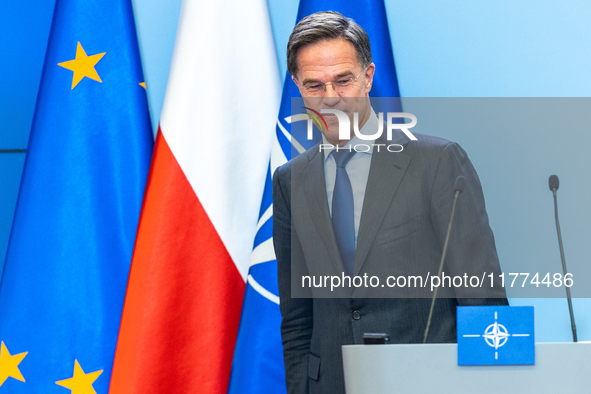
(515, 335)
(496, 335)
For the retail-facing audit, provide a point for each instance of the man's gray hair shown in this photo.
(327, 25)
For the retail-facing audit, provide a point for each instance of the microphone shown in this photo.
(553, 184)
(459, 185)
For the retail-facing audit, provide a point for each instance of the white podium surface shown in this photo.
(433, 368)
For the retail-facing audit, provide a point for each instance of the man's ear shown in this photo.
(369, 72)
(294, 80)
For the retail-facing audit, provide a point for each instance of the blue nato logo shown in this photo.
(495, 335)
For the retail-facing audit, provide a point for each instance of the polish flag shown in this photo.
(200, 210)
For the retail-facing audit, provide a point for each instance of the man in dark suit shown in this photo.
(376, 213)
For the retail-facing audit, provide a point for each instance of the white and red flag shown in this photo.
(200, 211)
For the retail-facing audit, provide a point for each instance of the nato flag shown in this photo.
(64, 281)
(495, 335)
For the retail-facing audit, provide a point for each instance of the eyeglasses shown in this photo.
(340, 85)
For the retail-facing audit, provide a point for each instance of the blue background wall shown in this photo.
(442, 49)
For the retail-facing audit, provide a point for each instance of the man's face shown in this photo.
(328, 61)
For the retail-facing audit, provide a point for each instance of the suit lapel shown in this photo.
(386, 173)
(315, 191)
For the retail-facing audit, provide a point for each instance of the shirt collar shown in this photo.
(370, 127)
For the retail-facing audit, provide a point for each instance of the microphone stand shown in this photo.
(554, 187)
(458, 188)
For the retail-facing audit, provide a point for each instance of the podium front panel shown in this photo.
(433, 368)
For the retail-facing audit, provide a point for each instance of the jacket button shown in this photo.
(356, 315)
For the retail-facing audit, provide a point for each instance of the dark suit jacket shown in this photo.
(404, 221)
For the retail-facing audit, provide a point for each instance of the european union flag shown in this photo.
(495, 335)
(64, 281)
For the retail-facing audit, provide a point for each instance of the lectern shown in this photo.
(433, 368)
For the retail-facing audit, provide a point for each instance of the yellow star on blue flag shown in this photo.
(80, 382)
(83, 66)
(9, 365)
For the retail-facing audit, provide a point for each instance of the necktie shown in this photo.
(342, 211)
